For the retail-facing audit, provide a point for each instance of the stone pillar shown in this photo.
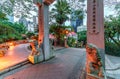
(95, 25)
(41, 23)
(46, 32)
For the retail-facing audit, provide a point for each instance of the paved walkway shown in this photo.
(65, 61)
(113, 66)
(68, 64)
(14, 56)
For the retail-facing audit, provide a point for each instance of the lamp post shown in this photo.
(65, 38)
(65, 41)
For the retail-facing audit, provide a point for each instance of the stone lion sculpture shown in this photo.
(93, 64)
(34, 50)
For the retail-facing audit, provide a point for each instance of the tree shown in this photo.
(8, 33)
(112, 35)
(61, 11)
(3, 16)
(17, 7)
(112, 29)
(77, 14)
(76, 4)
(20, 28)
(117, 8)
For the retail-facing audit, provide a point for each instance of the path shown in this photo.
(14, 56)
(68, 64)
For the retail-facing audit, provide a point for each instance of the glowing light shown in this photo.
(11, 47)
(66, 31)
(11, 44)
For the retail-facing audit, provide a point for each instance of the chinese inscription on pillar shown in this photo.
(94, 27)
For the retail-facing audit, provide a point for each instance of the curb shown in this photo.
(10, 68)
(59, 49)
(112, 66)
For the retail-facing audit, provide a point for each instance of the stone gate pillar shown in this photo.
(95, 30)
(95, 25)
(46, 33)
(43, 23)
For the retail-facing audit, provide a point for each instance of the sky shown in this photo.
(107, 11)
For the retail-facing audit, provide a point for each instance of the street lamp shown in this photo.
(65, 41)
(66, 32)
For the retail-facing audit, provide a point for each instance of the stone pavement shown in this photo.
(20, 54)
(112, 66)
(56, 48)
(16, 55)
(68, 64)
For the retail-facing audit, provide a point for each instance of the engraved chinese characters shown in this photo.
(94, 24)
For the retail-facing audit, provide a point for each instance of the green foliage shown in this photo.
(61, 11)
(56, 30)
(82, 36)
(71, 42)
(76, 4)
(112, 49)
(20, 7)
(117, 8)
(112, 29)
(29, 34)
(112, 35)
(78, 14)
(53, 29)
(59, 32)
(3, 16)
(20, 28)
(8, 33)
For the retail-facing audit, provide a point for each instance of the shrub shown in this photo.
(71, 42)
(112, 49)
(82, 37)
(30, 34)
(7, 33)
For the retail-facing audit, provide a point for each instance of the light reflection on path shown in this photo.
(14, 55)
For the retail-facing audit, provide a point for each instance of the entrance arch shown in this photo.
(95, 25)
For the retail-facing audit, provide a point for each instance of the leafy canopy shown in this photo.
(17, 7)
(61, 11)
